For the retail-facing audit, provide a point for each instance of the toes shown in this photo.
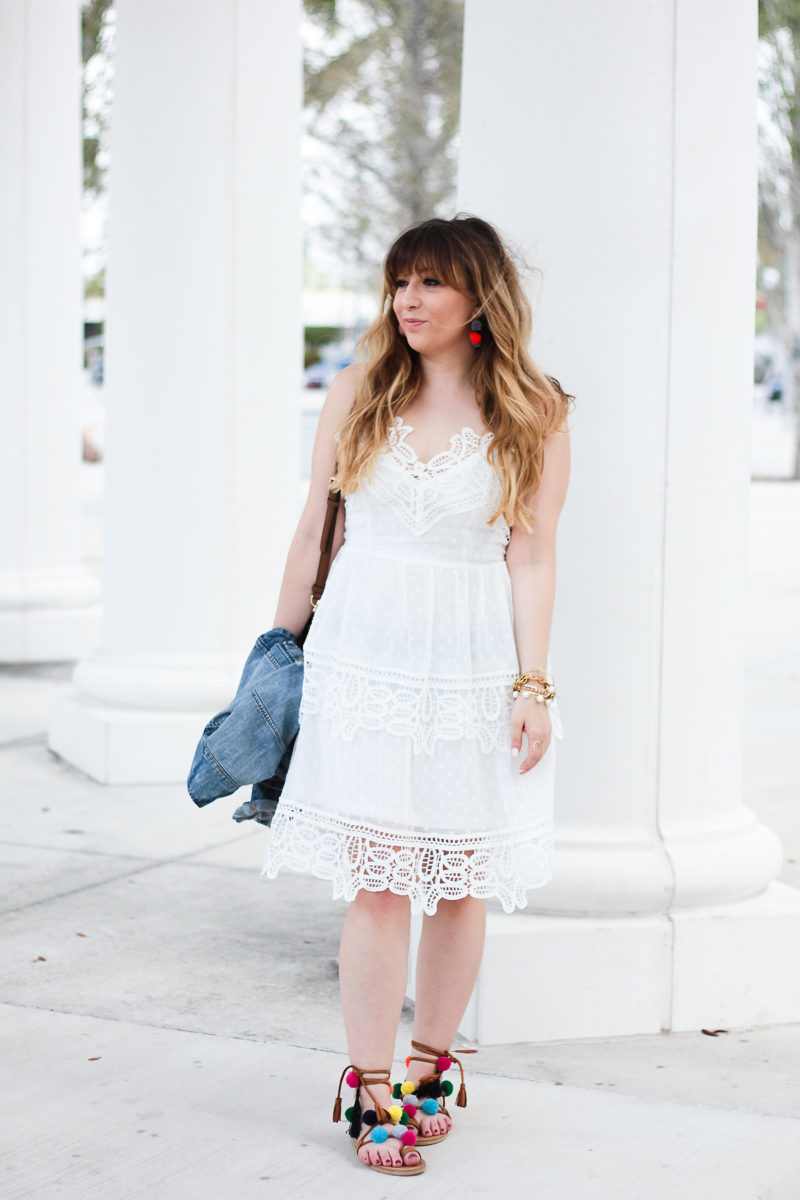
(384, 1155)
(412, 1159)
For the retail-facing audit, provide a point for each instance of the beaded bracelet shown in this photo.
(542, 697)
(538, 684)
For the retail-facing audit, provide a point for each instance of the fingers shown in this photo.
(533, 756)
(537, 748)
(517, 723)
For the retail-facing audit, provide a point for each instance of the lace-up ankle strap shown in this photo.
(358, 1077)
(443, 1060)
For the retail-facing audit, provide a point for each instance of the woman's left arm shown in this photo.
(531, 561)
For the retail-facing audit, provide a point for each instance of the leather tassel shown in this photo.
(337, 1109)
(355, 1120)
(461, 1099)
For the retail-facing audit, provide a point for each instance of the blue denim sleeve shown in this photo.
(247, 742)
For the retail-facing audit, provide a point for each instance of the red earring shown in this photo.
(476, 332)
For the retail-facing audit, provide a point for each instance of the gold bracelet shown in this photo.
(529, 678)
(533, 677)
(534, 683)
(539, 697)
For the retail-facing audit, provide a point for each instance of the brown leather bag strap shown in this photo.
(325, 546)
(326, 549)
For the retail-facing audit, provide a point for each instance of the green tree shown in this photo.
(382, 93)
(96, 42)
(779, 180)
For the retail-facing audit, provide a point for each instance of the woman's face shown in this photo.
(433, 316)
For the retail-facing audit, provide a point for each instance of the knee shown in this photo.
(383, 907)
(466, 909)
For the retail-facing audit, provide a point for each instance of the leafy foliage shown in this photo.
(779, 177)
(96, 40)
(382, 92)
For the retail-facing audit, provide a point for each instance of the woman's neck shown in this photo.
(447, 378)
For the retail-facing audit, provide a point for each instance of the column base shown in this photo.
(49, 616)
(737, 964)
(725, 966)
(123, 745)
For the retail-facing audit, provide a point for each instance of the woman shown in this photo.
(419, 781)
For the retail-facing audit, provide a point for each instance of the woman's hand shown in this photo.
(533, 718)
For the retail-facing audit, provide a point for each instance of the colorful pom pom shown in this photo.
(370, 1117)
(397, 1091)
(348, 1113)
(406, 1117)
(430, 1107)
(407, 1088)
(447, 1087)
(408, 1060)
(444, 1063)
(351, 1079)
(410, 1110)
(395, 1112)
(379, 1134)
(396, 1131)
(409, 1138)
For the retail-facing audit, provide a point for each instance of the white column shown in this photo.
(614, 144)
(49, 604)
(203, 375)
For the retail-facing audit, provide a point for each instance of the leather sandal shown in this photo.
(429, 1094)
(382, 1123)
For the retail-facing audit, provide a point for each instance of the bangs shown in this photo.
(431, 249)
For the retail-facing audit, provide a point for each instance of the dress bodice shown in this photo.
(430, 511)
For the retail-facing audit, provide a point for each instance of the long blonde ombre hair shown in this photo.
(519, 404)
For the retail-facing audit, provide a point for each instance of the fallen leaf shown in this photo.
(45, 810)
(80, 935)
(41, 958)
(713, 1032)
(96, 1059)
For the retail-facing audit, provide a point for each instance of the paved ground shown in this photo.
(169, 1020)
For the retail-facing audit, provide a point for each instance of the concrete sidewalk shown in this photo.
(170, 1023)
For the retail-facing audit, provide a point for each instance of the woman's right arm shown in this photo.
(294, 606)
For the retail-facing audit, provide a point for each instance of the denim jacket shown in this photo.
(251, 741)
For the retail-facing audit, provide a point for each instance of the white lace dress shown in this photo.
(402, 775)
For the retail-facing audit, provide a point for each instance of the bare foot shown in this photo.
(384, 1154)
(430, 1124)
(433, 1125)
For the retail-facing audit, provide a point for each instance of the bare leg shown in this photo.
(373, 971)
(450, 951)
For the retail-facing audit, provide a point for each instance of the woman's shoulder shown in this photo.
(342, 390)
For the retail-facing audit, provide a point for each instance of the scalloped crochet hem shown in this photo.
(426, 867)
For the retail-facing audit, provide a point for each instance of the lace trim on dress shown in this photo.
(462, 444)
(427, 867)
(423, 492)
(426, 708)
